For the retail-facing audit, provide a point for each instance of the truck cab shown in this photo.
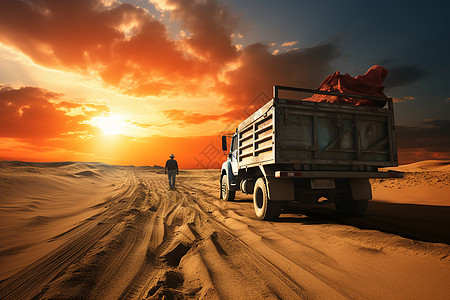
(229, 170)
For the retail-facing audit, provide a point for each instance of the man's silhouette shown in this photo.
(172, 170)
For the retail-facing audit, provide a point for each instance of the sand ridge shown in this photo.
(97, 231)
(426, 165)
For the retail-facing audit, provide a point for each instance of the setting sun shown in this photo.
(110, 124)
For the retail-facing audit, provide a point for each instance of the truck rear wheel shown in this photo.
(348, 207)
(225, 192)
(264, 208)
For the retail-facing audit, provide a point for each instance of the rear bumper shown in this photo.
(336, 174)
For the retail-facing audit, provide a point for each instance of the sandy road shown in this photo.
(330, 256)
(148, 242)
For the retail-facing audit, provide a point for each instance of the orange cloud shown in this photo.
(407, 156)
(289, 44)
(131, 51)
(403, 99)
(122, 43)
(185, 117)
(34, 114)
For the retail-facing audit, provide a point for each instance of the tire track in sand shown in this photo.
(154, 271)
(29, 281)
(279, 269)
(205, 251)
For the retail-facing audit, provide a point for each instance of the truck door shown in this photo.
(233, 155)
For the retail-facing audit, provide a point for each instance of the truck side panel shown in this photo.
(256, 141)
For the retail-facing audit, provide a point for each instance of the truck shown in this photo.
(310, 152)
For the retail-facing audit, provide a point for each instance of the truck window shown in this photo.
(233, 144)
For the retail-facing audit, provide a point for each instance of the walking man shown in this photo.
(172, 170)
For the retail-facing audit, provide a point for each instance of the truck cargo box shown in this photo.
(318, 136)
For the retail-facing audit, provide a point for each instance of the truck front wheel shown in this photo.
(264, 208)
(225, 192)
(348, 207)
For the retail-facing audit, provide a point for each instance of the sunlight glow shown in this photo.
(110, 124)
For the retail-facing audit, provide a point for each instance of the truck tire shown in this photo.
(225, 192)
(348, 207)
(264, 208)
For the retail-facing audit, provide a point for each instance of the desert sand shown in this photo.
(92, 230)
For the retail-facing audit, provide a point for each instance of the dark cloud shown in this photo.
(210, 26)
(430, 135)
(427, 140)
(32, 113)
(404, 75)
(259, 70)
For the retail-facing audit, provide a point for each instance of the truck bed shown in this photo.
(318, 136)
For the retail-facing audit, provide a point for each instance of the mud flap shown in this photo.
(361, 189)
(281, 189)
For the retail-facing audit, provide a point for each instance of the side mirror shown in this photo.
(224, 143)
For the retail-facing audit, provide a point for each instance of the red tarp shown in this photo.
(370, 84)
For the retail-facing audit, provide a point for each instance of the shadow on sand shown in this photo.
(420, 222)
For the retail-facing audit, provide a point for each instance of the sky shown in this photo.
(130, 82)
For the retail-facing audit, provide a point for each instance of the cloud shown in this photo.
(211, 26)
(32, 113)
(289, 44)
(404, 75)
(68, 33)
(430, 134)
(121, 43)
(131, 51)
(85, 109)
(259, 70)
(186, 117)
(17, 149)
(403, 99)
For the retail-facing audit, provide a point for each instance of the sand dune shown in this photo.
(91, 230)
(425, 183)
(426, 165)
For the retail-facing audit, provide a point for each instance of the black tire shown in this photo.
(225, 192)
(348, 207)
(264, 208)
(220, 187)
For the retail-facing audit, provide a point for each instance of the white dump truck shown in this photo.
(310, 152)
